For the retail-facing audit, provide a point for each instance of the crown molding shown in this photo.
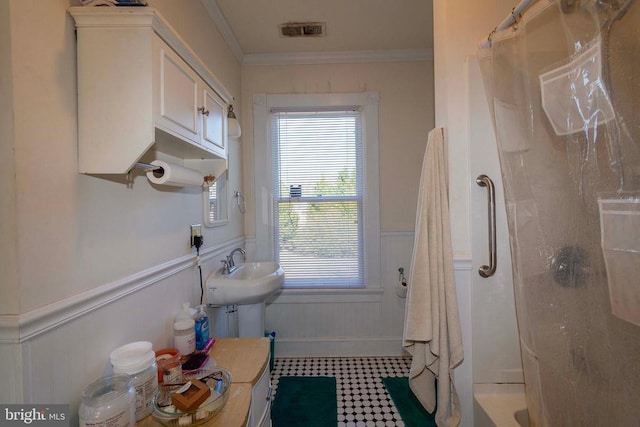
(340, 57)
(309, 58)
(223, 26)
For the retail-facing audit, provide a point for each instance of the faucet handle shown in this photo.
(225, 266)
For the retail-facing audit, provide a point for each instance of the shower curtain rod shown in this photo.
(508, 21)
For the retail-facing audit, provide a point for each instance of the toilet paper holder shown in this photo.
(147, 166)
(401, 278)
(401, 289)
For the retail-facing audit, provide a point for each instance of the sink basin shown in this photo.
(250, 283)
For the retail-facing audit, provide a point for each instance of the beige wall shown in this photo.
(87, 263)
(77, 232)
(405, 117)
(8, 253)
(45, 154)
(459, 25)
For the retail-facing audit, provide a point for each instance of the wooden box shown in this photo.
(191, 398)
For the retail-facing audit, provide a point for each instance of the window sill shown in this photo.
(216, 223)
(327, 295)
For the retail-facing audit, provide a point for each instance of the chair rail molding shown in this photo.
(19, 328)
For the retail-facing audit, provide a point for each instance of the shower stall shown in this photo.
(563, 88)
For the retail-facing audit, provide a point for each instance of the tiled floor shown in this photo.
(362, 399)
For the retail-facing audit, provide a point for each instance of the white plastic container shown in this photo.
(109, 402)
(138, 360)
(184, 336)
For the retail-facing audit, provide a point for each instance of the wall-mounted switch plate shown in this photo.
(196, 230)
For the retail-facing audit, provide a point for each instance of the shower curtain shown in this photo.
(563, 87)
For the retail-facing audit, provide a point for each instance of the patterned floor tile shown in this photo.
(362, 399)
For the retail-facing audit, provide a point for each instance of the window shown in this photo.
(317, 196)
(320, 154)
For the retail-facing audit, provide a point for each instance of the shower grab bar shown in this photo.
(484, 181)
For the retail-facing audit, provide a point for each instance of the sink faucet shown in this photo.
(229, 264)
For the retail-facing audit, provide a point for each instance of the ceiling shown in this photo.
(353, 27)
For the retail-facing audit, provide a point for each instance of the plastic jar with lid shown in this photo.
(109, 402)
(169, 366)
(138, 360)
(184, 336)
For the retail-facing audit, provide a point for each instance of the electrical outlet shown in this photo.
(196, 230)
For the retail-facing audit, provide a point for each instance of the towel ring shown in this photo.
(242, 205)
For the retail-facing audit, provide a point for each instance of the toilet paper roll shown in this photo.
(174, 175)
(401, 291)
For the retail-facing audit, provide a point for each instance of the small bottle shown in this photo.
(184, 336)
(202, 328)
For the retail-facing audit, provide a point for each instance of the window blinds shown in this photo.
(318, 197)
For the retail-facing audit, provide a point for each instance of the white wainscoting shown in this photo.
(49, 355)
(348, 322)
(11, 373)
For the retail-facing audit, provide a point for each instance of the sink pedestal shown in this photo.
(235, 321)
(243, 293)
(251, 320)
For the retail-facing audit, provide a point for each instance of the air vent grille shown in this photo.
(303, 29)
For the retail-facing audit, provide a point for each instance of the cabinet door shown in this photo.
(177, 99)
(214, 131)
(261, 400)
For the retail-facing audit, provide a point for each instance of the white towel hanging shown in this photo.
(432, 326)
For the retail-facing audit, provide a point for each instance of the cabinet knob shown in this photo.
(204, 111)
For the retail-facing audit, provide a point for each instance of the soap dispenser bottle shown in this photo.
(202, 328)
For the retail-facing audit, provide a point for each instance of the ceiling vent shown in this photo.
(303, 29)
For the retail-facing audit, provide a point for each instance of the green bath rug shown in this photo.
(305, 402)
(411, 410)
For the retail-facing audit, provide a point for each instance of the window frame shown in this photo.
(222, 192)
(367, 103)
(352, 273)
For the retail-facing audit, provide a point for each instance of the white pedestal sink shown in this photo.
(248, 287)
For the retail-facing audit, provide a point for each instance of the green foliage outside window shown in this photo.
(303, 225)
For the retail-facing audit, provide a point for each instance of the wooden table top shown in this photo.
(245, 358)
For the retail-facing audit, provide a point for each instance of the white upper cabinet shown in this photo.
(139, 84)
(177, 105)
(214, 133)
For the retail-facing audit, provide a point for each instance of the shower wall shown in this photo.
(563, 87)
(458, 25)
